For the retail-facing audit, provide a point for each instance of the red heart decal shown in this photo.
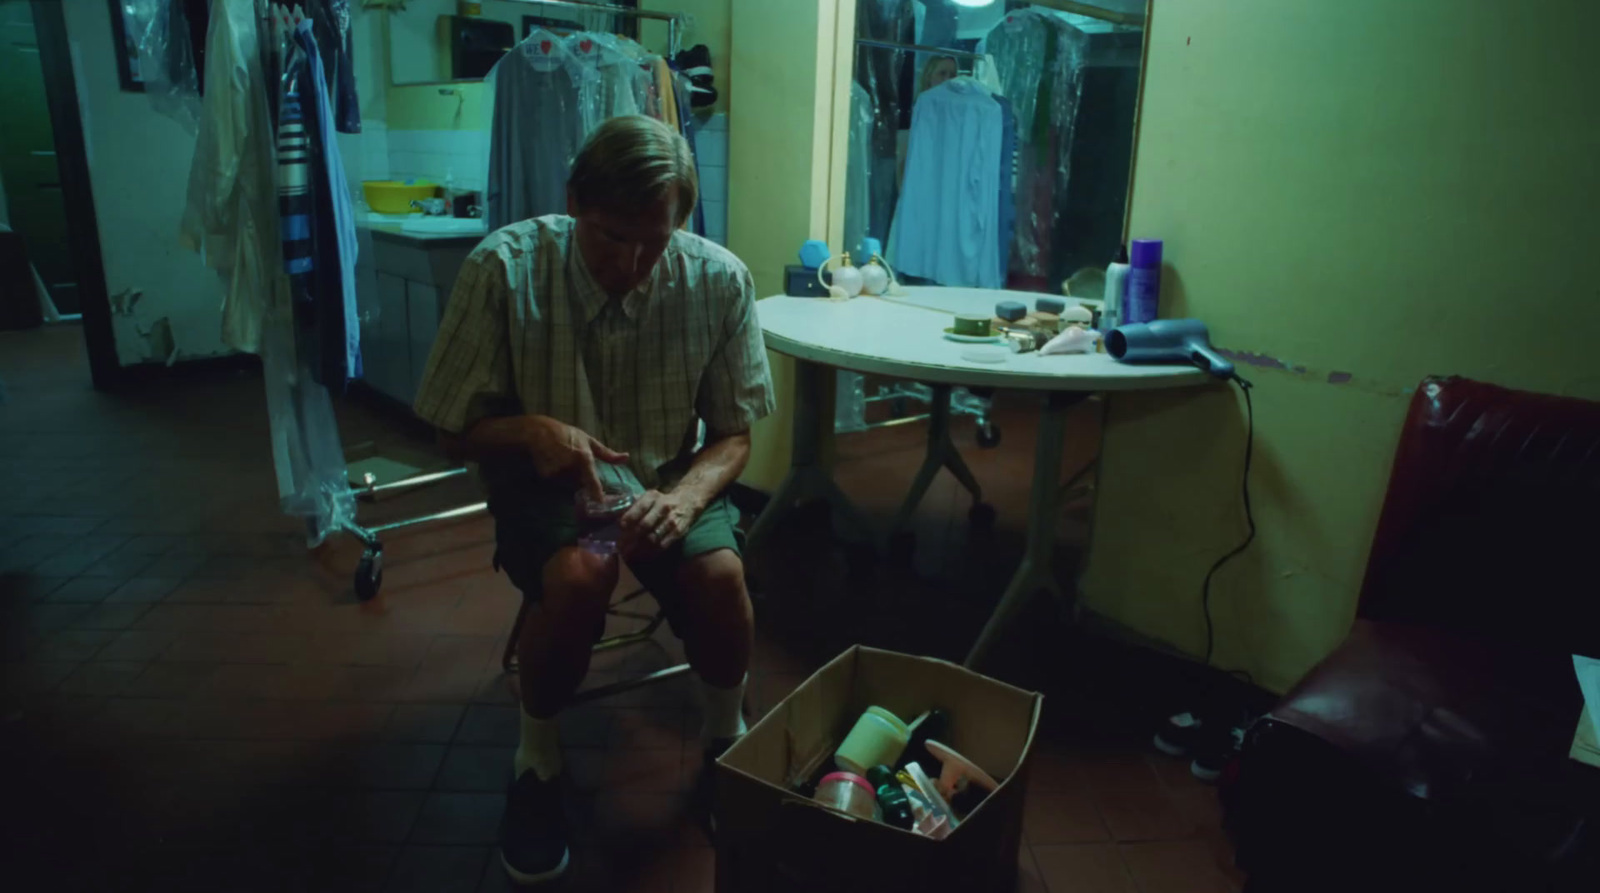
(586, 46)
(544, 46)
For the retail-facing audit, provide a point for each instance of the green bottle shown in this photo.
(892, 800)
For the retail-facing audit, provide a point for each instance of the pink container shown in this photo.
(847, 792)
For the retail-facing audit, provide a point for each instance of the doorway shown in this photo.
(44, 169)
(35, 207)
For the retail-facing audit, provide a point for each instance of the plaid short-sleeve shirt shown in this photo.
(527, 330)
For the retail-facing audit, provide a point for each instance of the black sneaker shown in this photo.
(1214, 756)
(1181, 735)
(533, 833)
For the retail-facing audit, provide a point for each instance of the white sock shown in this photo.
(540, 748)
(724, 710)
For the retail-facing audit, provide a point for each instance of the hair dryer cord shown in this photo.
(1249, 514)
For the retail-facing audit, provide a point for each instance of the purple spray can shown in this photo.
(1144, 282)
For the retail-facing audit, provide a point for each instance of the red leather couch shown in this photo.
(1429, 751)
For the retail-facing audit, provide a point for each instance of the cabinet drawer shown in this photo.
(423, 304)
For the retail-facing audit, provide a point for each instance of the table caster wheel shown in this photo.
(988, 435)
(982, 514)
(902, 547)
(369, 575)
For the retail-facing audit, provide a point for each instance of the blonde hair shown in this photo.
(930, 67)
(631, 162)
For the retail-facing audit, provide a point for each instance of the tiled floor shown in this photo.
(192, 701)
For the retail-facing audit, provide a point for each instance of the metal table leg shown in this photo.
(942, 453)
(807, 478)
(1037, 570)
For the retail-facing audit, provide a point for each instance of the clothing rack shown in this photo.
(673, 19)
(917, 48)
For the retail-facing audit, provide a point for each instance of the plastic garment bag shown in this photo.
(163, 38)
(546, 95)
(307, 454)
(232, 216)
(858, 172)
(619, 84)
(886, 75)
(231, 211)
(541, 97)
(1039, 60)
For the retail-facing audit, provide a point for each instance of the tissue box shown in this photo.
(801, 282)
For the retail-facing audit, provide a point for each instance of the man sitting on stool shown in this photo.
(605, 335)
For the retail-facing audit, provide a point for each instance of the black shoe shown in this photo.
(697, 56)
(533, 833)
(1215, 754)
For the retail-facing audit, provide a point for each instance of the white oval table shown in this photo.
(903, 337)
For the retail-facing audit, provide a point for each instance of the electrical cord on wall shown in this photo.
(1249, 514)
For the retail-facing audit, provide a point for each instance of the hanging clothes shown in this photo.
(342, 81)
(331, 27)
(669, 101)
(230, 213)
(536, 129)
(318, 220)
(858, 172)
(947, 224)
(547, 95)
(686, 128)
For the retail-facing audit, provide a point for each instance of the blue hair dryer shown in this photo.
(1168, 341)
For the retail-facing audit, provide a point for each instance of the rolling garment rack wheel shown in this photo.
(369, 574)
(988, 434)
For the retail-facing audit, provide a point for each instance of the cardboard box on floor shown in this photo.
(772, 840)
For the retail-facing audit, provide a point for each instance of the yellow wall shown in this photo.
(1385, 189)
(781, 146)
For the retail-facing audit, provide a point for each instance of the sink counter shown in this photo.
(416, 229)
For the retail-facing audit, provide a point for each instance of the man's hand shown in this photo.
(561, 450)
(658, 521)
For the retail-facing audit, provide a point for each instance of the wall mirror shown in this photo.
(990, 143)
